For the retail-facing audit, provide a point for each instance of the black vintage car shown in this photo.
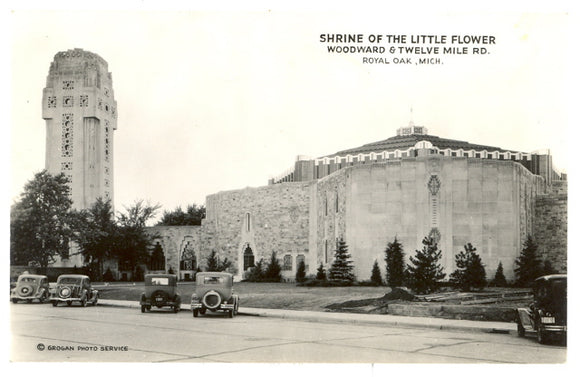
(546, 317)
(160, 291)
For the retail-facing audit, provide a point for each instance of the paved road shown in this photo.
(120, 334)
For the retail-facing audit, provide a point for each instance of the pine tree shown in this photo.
(470, 272)
(273, 270)
(301, 272)
(528, 264)
(394, 258)
(342, 267)
(256, 273)
(499, 278)
(376, 277)
(320, 273)
(425, 271)
(212, 262)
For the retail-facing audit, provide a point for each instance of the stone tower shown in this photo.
(80, 111)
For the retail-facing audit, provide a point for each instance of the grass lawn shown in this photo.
(357, 299)
(261, 295)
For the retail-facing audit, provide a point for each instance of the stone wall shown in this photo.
(551, 226)
(266, 219)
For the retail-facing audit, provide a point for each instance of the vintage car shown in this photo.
(160, 291)
(546, 316)
(74, 288)
(30, 287)
(214, 291)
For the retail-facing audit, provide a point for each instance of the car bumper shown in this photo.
(199, 305)
(159, 303)
(554, 328)
(35, 297)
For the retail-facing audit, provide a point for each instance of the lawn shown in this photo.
(489, 304)
(262, 295)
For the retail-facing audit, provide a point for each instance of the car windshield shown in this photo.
(159, 281)
(69, 281)
(213, 280)
(28, 280)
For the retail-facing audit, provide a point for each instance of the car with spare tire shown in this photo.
(71, 288)
(214, 291)
(160, 291)
(30, 287)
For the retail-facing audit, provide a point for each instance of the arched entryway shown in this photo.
(248, 257)
(188, 262)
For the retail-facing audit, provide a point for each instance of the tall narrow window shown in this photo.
(336, 203)
(248, 222)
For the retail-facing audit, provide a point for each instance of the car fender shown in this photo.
(525, 317)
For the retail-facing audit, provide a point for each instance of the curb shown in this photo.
(359, 319)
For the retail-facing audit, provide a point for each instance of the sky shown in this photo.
(211, 101)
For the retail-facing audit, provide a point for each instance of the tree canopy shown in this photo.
(41, 221)
(191, 216)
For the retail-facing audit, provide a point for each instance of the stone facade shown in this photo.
(551, 226)
(492, 204)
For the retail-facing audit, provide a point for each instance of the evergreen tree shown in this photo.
(301, 272)
(470, 272)
(273, 271)
(425, 271)
(376, 277)
(394, 258)
(342, 267)
(320, 272)
(256, 273)
(499, 278)
(214, 264)
(529, 266)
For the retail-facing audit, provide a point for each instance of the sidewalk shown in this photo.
(365, 319)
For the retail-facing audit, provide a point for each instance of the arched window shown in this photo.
(287, 266)
(188, 260)
(248, 258)
(157, 261)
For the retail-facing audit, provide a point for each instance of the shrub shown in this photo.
(470, 272)
(214, 263)
(320, 273)
(301, 272)
(425, 271)
(342, 267)
(376, 278)
(528, 264)
(499, 278)
(394, 257)
(273, 271)
(256, 273)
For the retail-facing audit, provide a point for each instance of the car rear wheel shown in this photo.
(231, 313)
(142, 308)
(96, 300)
(202, 311)
(195, 313)
(14, 300)
(54, 303)
(541, 336)
(84, 302)
(69, 303)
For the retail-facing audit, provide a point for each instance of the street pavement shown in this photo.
(355, 318)
(108, 333)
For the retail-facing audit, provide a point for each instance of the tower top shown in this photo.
(412, 129)
(79, 62)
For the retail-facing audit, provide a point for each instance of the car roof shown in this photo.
(552, 277)
(32, 276)
(160, 276)
(73, 276)
(214, 273)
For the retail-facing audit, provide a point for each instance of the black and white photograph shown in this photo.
(265, 185)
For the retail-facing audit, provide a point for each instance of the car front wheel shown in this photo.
(142, 308)
(195, 313)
